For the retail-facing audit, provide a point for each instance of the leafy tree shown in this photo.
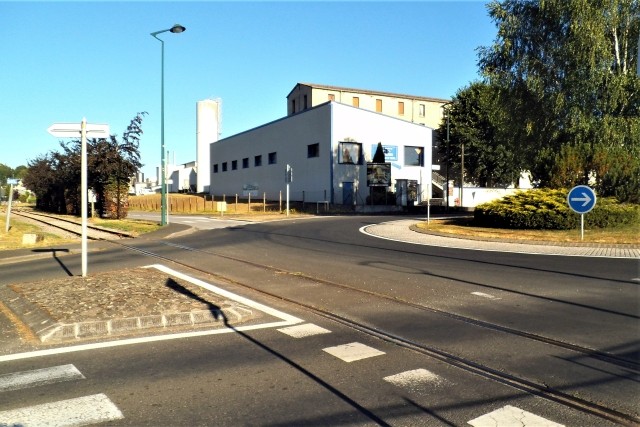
(55, 178)
(475, 122)
(566, 77)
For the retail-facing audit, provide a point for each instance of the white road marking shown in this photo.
(38, 377)
(286, 320)
(81, 411)
(353, 351)
(415, 378)
(306, 330)
(483, 295)
(512, 416)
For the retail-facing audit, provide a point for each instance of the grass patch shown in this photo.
(464, 227)
(133, 226)
(13, 239)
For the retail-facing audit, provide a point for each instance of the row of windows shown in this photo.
(350, 153)
(356, 103)
(313, 150)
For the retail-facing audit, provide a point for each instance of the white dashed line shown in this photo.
(81, 411)
(414, 379)
(38, 377)
(511, 416)
(306, 330)
(353, 351)
(483, 295)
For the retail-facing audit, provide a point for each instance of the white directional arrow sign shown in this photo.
(71, 130)
(585, 199)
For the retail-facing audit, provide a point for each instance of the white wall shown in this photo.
(319, 177)
(369, 128)
(288, 138)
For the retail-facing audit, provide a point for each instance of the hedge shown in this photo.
(548, 209)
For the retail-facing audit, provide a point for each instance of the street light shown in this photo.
(163, 190)
(446, 107)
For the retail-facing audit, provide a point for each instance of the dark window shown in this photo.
(273, 158)
(313, 150)
(305, 102)
(245, 163)
(215, 168)
(257, 161)
(224, 166)
(413, 156)
(293, 106)
(234, 165)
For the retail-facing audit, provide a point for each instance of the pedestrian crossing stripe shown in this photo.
(511, 416)
(80, 411)
(306, 330)
(353, 351)
(38, 377)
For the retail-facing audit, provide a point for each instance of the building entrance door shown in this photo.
(347, 193)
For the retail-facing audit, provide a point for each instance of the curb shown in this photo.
(49, 330)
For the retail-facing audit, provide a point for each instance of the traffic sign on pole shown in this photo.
(581, 199)
(72, 130)
(83, 130)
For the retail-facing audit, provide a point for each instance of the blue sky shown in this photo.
(62, 61)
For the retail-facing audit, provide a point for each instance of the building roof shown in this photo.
(369, 92)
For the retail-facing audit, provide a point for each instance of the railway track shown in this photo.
(517, 382)
(71, 225)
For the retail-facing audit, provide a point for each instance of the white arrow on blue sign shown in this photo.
(581, 199)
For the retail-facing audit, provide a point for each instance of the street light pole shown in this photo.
(163, 164)
(446, 107)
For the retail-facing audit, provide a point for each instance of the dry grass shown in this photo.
(464, 227)
(13, 239)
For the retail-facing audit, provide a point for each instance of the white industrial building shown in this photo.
(328, 147)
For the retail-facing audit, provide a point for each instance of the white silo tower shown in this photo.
(207, 132)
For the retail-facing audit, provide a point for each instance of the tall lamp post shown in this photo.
(446, 107)
(163, 189)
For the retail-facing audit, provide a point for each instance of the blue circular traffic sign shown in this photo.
(581, 199)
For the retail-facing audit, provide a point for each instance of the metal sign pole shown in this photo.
(83, 193)
(9, 208)
(581, 226)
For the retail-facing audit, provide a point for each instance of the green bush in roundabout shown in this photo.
(548, 209)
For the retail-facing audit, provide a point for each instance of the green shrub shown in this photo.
(548, 209)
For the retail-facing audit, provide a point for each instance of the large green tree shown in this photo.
(475, 122)
(565, 70)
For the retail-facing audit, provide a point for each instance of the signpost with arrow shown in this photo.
(581, 199)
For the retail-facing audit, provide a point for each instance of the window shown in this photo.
(313, 150)
(215, 168)
(332, 97)
(349, 153)
(401, 108)
(224, 166)
(293, 106)
(273, 158)
(305, 102)
(356, 101)
(421, 110)
(245, 163)
(234, 165)
(413, 156)
(257, 161)
(379, 105)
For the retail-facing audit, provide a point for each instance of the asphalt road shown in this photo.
(266, 377)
